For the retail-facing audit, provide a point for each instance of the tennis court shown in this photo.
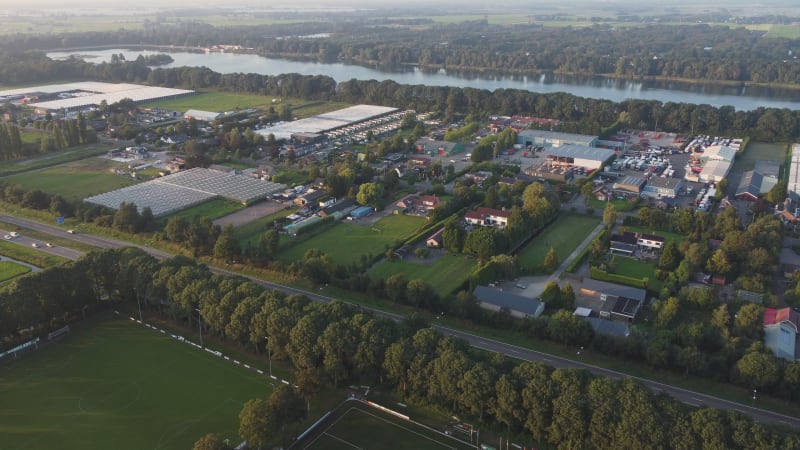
(357, 425)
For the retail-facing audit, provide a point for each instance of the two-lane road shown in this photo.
(522, 353)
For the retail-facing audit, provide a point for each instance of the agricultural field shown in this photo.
(10, 270)
(445, 275)
(356, 425)
(53, 159)
(213, 209)
(74, 180)
(759, 151)
(565, 234)
(120, 385)
(346, 242)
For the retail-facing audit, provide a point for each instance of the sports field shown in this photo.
(565, 234)
(346, 241)
(445, 275)
(357, 426)
(122, 386)
(74, 180)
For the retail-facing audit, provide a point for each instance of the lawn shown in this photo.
(74, 180)
(31, 135)
(346, 242)
(10, 269)
(783, 31)
(120, 385)
(634, 268)
(565, 234)
(251, 232)
(445, 275)
(214, 101)
(213, 209)
(52, 159)
(760, 151)
(357, 426)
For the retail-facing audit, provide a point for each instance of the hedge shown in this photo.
(598, 274)
(573, 266)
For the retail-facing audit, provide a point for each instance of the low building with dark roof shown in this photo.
(629, 185)
(488, 217)
(435, 241)
(518, 306)
(623, 244)
(609, 327)
(662, 187)
(627, 301)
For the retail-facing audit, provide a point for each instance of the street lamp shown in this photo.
(269, 356)
(754, 394)
(200, 325)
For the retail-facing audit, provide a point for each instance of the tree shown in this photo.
(749, 320)
(369, 194)
(453, 237)
(758, 368)
(667, 311)
(126, 218)
(610, 214)
(210, 441)
(551, 260)
(484, 242)
(256, 421)
(287, 404)
(227, 247)
(670, 257)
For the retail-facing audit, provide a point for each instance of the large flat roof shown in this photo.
(327, 121)
(580, 152)
(503, 299)
(89, 93)
(557, 136)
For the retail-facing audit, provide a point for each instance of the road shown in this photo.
(514, 351)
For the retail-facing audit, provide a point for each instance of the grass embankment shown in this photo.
(29, 255)
(145, 394)
(564, 235)
(226, 101)
(10, 269)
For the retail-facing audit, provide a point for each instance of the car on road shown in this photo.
(8, 236)
(49, 245)
(71, 231)
(35, 245)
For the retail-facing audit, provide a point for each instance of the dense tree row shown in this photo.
(334, 344)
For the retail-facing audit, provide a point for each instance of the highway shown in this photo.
(686, 396)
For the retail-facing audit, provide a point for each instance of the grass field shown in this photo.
(119, 385)
(445, 275)
(565, 234)
(783, 31)
(346, 242)
(760, 151)
(74, 180)
(10, 269)
(53, 159)
(213, 209)
(31, 135)
(357, 426)
(29, 255)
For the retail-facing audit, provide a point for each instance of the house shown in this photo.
(264, 173)
(407, 202)
(624, 244)
(488, 217)
(478, 177)
(176, 165)
(602, 193)
(435, 241)
(309, 198)
(429, 201)
(175, 139)
(781, 331)
(626, 300)
(418, 162)
(650, 242)
(518, 306)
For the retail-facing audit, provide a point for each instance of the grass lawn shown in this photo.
(445, 275)
(634, 268)
(565, 234)
(251, 232)
(74, 180)
(53, 159)
(30, 255)
(355, 425)
(346, 242)
(10, 269)
(213, 209)
(31, 135)
(621, 205)
(760, 151)
(120, 385)
(783, 31)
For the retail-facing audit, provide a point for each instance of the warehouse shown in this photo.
(542, 138)
(204, 116)
(662, 187)
(578, 156)
(715, 171)
(334, 120)
(76, 96)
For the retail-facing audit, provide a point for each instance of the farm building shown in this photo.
(629, 186)
(757, 182)
(518, 306)
(578, 155)
(662, 187)
(488, 217)
(781, 328)
(362, 211)
(542, 138)
(626, 300)
(294, 227)
(339, 210)
(205, 116)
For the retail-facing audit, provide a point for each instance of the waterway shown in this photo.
(742, 98)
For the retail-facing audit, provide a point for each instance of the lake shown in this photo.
(742, 98)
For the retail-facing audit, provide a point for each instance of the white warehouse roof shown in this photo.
(715, 170)
(720, 152)
(326, 122)
(563, 138)
(89, 93)
(580, 152)
(794, 171)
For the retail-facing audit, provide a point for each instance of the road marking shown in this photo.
(691, 404)
(483, 343)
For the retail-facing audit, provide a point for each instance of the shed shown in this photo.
(362, 211)
(496, 300)
(435, 241)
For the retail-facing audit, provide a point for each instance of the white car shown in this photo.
(35, 245)
(8, 236)
(71, 231)
(49, 245)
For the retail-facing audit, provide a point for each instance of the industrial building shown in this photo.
(204, 116)
(542, 138)
(517, 306)
(794, 173)
(81, 95)
(331, 121)
(714, 171)
(629, 186)
(662, 187)
(578, 156)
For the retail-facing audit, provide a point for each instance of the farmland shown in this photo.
(74, 180)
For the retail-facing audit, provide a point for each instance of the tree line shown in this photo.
(335, 344)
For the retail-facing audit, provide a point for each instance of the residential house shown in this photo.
(650, 242)
(488, 217)
(624, 244)
(430, 201)
(309, 198)
(435, 241)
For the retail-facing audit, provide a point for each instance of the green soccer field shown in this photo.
(356, 425)
(122, 386)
